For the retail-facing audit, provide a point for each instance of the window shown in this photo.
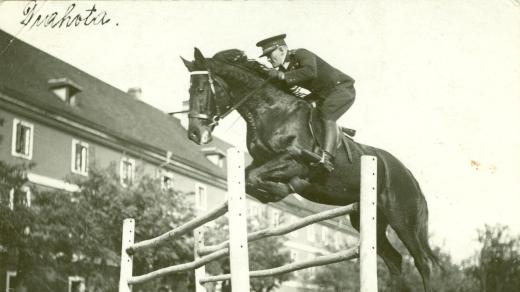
(65, 89)
(324, 235)
(215, 155)
(275, 219)
(22, 144)
(79, 163)
(293, 256)
(310, 233)
(292, 219)
(200, 196)
(167, 181)
(76, 284)
(253, 209)
(217, 159)
(126, 172)
(337, 240)
(26, 196)
(10, 280)
(312, 272)
(23, 197)
(11, 199)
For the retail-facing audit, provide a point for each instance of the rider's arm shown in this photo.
(307, 69)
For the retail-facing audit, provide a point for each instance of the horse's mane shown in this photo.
(239, 58)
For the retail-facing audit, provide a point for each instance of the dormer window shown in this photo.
(215, 155)
(65, 89)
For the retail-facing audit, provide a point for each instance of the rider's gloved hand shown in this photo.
(273, 73)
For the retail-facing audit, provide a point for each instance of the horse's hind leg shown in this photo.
(420, 255)
(388, 253)
(411, 226)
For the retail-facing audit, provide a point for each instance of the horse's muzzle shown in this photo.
(200, 135)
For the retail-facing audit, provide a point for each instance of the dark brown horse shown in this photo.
(278, 136)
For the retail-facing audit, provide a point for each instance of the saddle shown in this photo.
(316, 128)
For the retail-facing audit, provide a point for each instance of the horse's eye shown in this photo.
(200, 89)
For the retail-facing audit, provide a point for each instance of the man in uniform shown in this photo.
(305, 69)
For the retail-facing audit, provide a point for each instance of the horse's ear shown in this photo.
(188, 64)
(199, 58)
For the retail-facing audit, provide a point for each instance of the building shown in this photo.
(66, 120)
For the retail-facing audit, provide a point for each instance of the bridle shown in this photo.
(217, 116)
(215, 119)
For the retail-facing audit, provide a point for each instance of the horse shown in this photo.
(280, 138)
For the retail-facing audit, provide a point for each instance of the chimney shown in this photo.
(184, 117)
(135, 92)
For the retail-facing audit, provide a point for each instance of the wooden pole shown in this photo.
(181, 230)
(238, 258)
(179, 268)
(286, 228)
(126, 259)
(368, 212)
(318, 261)
(198, 236)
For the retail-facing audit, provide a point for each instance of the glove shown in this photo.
(273, 73)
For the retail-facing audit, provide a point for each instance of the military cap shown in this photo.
(270, 44)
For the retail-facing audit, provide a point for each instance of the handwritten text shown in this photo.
(69, 18)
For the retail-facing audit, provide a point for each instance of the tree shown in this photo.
(497, 265)
(263, 254)
(339, 277)
(80, 233)
(447, 277)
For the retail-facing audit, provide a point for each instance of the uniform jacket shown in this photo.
(311, 72)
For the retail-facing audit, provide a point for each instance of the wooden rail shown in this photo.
(178, 268)
(318, 261)
(287, 228)
(181, 230)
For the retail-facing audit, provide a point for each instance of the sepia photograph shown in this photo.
(264, 146)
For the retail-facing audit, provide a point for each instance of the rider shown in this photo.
(305, 69)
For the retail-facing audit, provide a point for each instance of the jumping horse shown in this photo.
(281, 142)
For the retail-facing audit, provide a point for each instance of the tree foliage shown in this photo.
(497, 266)
(79, 233)
(344, 276)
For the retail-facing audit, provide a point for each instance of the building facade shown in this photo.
(67, 121)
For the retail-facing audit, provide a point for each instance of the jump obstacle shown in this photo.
(237, 246)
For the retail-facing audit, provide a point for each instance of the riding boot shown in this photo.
(329, 145)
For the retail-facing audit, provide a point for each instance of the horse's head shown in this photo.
(211, 98)
(203, 111)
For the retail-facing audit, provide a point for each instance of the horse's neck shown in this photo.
(269, 97)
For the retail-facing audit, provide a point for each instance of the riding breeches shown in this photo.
(333, 105)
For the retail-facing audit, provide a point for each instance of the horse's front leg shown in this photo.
(269, 182)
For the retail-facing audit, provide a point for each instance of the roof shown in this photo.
(25, 74)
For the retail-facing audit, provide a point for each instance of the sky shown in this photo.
(438, 82)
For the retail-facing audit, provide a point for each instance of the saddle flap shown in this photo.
(316, 128)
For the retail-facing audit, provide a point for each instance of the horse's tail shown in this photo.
(422, 230)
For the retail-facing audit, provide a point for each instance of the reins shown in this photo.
(218, 117)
